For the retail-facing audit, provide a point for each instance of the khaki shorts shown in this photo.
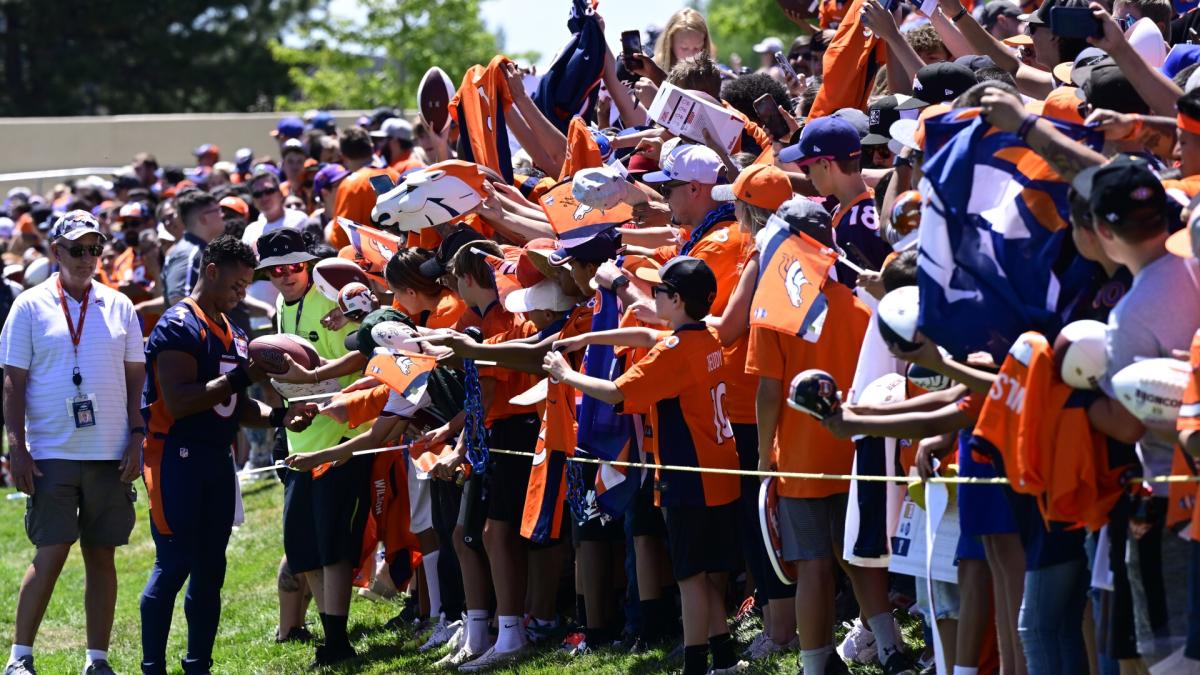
(76, 500)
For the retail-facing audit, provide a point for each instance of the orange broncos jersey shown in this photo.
(483, 96)
(355, 199)
(850, 62)
(679, 380)
(582, 150)
(1189, 420)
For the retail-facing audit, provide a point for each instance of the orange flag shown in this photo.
(582, 150)
(572, 219)
(788, 298)
(850, 64)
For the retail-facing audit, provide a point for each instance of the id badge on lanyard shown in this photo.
(81, 407)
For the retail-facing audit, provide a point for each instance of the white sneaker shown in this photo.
(458, 639)
(767, 647)
(859, 644)
(492, 658)
(455, 658)
(754, 644)
(735, 668)
(442, 632)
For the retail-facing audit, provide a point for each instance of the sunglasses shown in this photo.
(284, 270)
(259, 194)
(662, 288)
(78, 251)
(666, 188)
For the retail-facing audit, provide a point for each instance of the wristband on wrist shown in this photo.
(1136, 129)
(238, 379)
(618, 283)
(1023, 130)
(137, 430)
(275, 419)
(962, 11)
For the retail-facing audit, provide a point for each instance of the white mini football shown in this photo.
(1152, 389)
(896, 316)
(356, 301)
(884, 390)
(1079, 353)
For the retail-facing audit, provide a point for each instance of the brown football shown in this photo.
(268, 351)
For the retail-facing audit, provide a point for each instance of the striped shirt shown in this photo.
(35, 338)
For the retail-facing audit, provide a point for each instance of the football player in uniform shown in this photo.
(194, 400)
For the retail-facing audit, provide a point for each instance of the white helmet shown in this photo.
(431, 196)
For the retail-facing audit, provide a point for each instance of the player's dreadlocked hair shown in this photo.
(226, 249)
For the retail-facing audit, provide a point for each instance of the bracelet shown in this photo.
(238, 379)
(962, 11)
(1026, 125)
(275, 419)
(138, 430)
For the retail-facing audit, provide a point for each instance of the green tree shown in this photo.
(380, 60)
(736, 25)
(74, 57)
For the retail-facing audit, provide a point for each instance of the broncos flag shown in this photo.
(788, 296)
(603, 432)
(992, 228)
(572, 219)
(542, 518)
(376, 247)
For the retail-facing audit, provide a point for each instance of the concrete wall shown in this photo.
(36, 143)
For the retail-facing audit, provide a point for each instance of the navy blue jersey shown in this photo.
(218, 347)
(856, 230)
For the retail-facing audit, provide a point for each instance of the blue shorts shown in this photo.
(982, 509)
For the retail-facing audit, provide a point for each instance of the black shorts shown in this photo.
(596, 525)
(646, 519)
(508, 475)
(324, 518)
(703, 539)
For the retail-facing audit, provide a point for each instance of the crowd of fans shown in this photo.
(564, 280)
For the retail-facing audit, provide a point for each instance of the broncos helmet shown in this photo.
(814, 392)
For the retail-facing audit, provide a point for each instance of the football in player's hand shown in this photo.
(814, 392)
(1079, 353)
(1152, 389)
(332, 274)
(268, 352)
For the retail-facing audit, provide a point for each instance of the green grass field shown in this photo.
(246, 643)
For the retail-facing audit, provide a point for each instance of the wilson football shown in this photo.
(1079, 353)
(332, 274)
(268, 351)
(1152, 389)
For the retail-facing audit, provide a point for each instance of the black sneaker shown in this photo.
(297, 634)
(99, 667)
(900, 663)
(836, 666)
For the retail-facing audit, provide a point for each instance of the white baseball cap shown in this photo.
(545, 294)
(600, 188)
(769, 45)
(688, 163)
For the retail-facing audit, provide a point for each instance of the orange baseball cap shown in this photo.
(762, 185)
(1021, 40)
(1063, 104)
(235, 204)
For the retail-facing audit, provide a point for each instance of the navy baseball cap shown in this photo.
(824, 138)
(289, 127)
(594, 249)
(324, 121)
(75, 224)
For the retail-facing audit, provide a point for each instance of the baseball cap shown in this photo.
(236, 205)
(1074, 72)
(1122, 186)
(394, 127)
(829, 137)
(435, 267)
(75, 224)
(1041, 16)
(289, 127)
(857, 118)
(769, 45)
(324, 121)
(995, 9)
(596, 248)
(328, 176)
(284, 246)
(207, 149)
(802, 215)
(1062, 104)
(600, 188)
(133, 211)
(6, 227)
(125, 181)
(292, 145)
(244, 157)
(975, 62)
(938, 83)
(164, 234)
(912, 132)
(763, 185)
(689, 277)
(686, 163)
(546, 294)
(880, 116)
(1108, 88)
(368, 336)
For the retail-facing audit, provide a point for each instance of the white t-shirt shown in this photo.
(36, 339)
(291, 219)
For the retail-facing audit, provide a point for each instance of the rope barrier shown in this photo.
(958, 480)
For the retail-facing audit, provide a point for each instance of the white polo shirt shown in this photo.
(36, 339)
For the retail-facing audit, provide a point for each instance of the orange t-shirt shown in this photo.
(355, 200)
(1189, 420)
(502, 326)
(560, 426)
(679, 380)
(801, 443)
(409, 162)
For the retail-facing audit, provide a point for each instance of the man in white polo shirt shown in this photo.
(73, 372)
